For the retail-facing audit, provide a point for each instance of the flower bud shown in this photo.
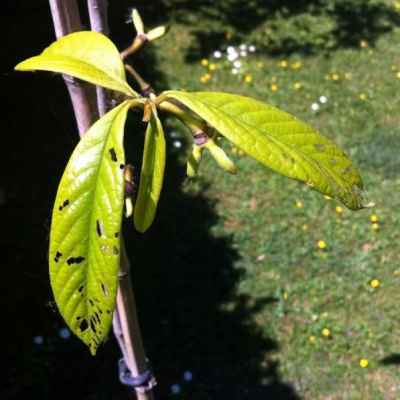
(157, 33)
(194, 161)
(137, 22)
(220, 157)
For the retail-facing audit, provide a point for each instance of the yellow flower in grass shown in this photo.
(299, 204)
(204, 62)
(283, 63)
(326, 332)
(297, 65)
(285, 295)
(339, 209)
(374, 283)
(260, 64)
(274, 88)
(364, 363)
(321, 245)
(312, 338)
(297, 85)
(375, 226)
(248, 79)
(374, 218)
(362, 96)
(212, 67)
(364, 43)
(336, 77)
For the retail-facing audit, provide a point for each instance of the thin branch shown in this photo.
(99, 23)
(66, 20)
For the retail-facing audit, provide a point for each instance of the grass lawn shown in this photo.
(333, 274)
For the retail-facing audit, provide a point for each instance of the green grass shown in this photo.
(276, 224)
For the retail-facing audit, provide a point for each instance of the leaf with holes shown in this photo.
(88, 55)
(152, 174)
(86, 229)
(279, 141)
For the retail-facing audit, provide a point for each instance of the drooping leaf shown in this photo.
(151, 175)
(86, 55)
(280, 141)
(86, 228)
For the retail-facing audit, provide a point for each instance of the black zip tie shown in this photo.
(146, 379)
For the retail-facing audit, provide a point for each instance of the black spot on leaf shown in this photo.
(104, 289)
(113, 154)
(75, 260)
(116, 234)
(121, 166)
(83, 325)
(92, 325)
(115, 251)
(80, 288)
(91, 302)
(100, 228)
(64, 204)
(71, 261)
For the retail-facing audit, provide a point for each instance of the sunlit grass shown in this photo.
(334, 272)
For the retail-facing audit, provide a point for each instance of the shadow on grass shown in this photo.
(184, 278)
(392, 359)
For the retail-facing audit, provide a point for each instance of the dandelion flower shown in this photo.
(297, 65)
(335, 77)
(204, 62)
(304, 228)
(326, 332)
(348, 75)
(212, 67)
(260, 64)
(396, 272)
(374, 283)
(297, 85)
(285, 295)
(375, 226)
(362, 96)
(364, 43)
(299, 204)
(283, 63)
(248, 79)
(374, 218)
(274, 88)
(234, 149)
(339, 209)
(364, 363)
(312, 338)
(321, 244)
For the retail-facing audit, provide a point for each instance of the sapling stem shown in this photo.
(66, 20)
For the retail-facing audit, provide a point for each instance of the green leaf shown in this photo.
(86, 230)
(89, 56)
(151, 175)
(279, 141)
